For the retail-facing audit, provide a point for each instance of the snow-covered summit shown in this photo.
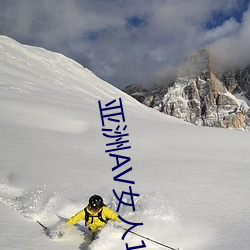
(33, 74)
(35, 68)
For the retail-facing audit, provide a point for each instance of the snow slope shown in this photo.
(194, 182)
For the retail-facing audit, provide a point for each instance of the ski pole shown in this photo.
(45, 228)
(159, 243)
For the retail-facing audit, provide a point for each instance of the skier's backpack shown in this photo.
(99, 215)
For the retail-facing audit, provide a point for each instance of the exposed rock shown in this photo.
(137, 91)
(237, 81)
(201, 97)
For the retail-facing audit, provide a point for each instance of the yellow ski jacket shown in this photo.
(94, 223)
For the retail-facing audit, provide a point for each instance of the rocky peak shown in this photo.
(197, 64)
(137, 91)
(201, 97)
(134, 88)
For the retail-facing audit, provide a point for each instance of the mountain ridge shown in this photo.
(201, 95)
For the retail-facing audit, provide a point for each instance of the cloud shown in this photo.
(228, 28)
(233, 49)
(123, 42)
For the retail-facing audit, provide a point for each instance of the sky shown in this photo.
(132, 41)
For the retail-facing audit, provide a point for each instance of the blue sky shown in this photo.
(218, 17)
(131, 41)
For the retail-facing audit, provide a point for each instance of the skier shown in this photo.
(95, 214)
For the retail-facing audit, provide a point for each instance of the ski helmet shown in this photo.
(95, 202)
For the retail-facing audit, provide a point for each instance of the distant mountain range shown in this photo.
(202, 94)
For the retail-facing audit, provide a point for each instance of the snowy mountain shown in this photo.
(237, 81)
(193, 181)
(201, 95)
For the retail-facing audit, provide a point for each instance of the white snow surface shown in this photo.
(194, 182)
